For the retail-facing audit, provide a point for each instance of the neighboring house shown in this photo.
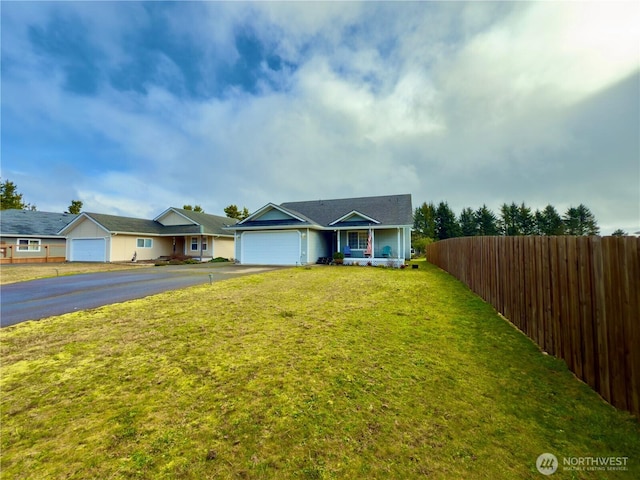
(28, 236)
(374, 230)
(94, 237)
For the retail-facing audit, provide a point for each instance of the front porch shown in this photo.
(373, 246)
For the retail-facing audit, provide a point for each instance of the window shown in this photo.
(357, 240)
(144, 243)
(194, 244)
(204, 243)
(29, 244)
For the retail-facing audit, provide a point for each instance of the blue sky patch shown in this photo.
(66, 42)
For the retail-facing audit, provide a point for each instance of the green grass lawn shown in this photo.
(330, 372)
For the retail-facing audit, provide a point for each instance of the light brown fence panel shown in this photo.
(576, 297)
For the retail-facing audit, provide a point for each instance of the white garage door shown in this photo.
(88, 250)
(270, 248)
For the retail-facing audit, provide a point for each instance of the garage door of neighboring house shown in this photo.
(271, 248)
(88, 250)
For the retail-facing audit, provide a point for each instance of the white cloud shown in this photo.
(472, 103)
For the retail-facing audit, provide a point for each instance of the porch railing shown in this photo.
(10, 253)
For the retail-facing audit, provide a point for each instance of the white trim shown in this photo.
(263, 210)
(172, 209)
(243, 242)
(191, 249)
(334, 228)
(375, 261)
(144, 240)
(78, 219)
(27, 248)
(366, 239)
(106, 252)
(354, 212)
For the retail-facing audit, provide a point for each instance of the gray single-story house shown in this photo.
(29, 236)
(96, 237)
(368, 230)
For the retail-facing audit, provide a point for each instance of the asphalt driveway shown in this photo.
(47, 297)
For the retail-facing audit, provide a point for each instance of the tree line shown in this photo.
(431, 222)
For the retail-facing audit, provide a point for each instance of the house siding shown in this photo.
(384, 238)
(124, 246)
(223, 247)
(274, 214)
(172, 218)
(86, 228)
(318, 246)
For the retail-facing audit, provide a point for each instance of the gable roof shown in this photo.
(388, 209)
(354, 214)
(212, 223)
(293, 218)
(31, 223)
(118, 224)
(202, 224)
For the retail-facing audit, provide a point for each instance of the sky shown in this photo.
(135, 107)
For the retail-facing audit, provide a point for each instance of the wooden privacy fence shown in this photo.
(578, 298)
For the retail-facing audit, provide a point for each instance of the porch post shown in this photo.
(338, 235)
(373, 243)
(404, 243)
(201, 250)
(398, 243)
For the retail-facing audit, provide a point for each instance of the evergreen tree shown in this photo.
(424, 220)
(196, 208)
(468, 223)
(445, 222)
(517, 220)
(619, 233)
(580, 221)
(509, 225)
(232, 211)
(11, 199)
(526, 221)
(549, 222)
(486, 221)
(75, 207)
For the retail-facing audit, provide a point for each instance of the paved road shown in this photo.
(37, 299)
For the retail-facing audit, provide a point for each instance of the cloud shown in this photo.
(218, 103)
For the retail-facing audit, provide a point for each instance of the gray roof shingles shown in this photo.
(211, 224)
(388, 210)
(33, 223)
